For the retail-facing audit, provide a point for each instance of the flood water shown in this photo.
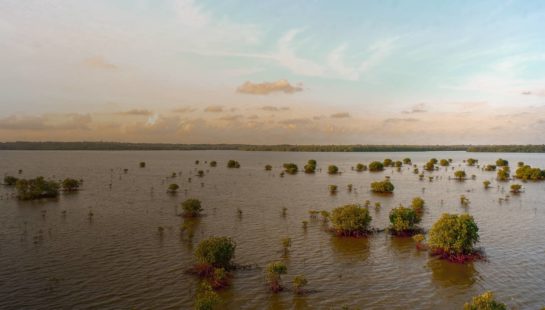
(116, 259)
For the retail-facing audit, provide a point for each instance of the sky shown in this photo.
(273, 72)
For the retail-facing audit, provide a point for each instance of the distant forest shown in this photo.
(119, 146)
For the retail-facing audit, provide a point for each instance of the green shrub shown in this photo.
(434, 161)
(191, 207)
(490, 168)
(216, 251)
(10, 180)
(310, 167)
(418, 205)
(213, 163)
(403, 220)
(444, 163)
(361, 167)
(233, 164)
(515, 188)
(332, 169)
(429, 166)
(398, 164)
(70, 185)
(376, 166)
(351, 220)
(529, 173)
(206, 298)
(172, 188)
(142, 164)
(332, 189)
(484, 302)
(291, 168)
(460, 175)
(382, 186)
(36, 188)
(503, 174)
(502, 162)
(268, 167)
(299, 281)
(454, 234)
(486, 184)
(407, 161)
(387, 162)
(274, 271)
(471, 161)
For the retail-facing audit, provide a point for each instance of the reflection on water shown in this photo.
(446, 274)
(120, 258)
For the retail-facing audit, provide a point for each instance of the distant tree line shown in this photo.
(122, 146)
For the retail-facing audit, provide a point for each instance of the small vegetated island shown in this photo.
(351, 220)
(39, 187)
(382, 187)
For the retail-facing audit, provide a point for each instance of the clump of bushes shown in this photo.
(486, 184)
(268, 167)
(290, 168)
(407, 161)
(332, 189)
(332, 169)
(310, 167)
(453, 237)
(361, 167)
(191, 208)
(460, 175)
(233, 164)
(70, 185)
(403, 221)
(173, 188)
(213, 163)
(471, 161)
(528, 173)
(10, 180)
(503, 174)
(387, 162)
(398, 164)
(350, 220)
(142, 164)
(429, 166)
(490, 168)
(216, 252)
(274, 272)
(515, 188)
(444, 163)
(484, 302)
(376, 166)
(418, 205)
(502, 162)
(36, 188)
(206, 298)
(382, 186)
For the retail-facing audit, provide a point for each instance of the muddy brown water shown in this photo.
(118, 260)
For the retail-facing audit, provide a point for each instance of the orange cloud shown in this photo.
(266, 88)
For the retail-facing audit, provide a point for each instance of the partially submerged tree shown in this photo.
(142, 164)
(407, 161)
(332, 169)
(382, 186)
(213, 163)
(332, 189)
(361, 167)
(515, 188)
(453, 237)
(486, 184)
(490, 168)
(484, 302)
(376, 166)
(350, 220)
(207, 299)
(418, 205)
(502, 162)
(471, 161)
(274, 272)
(173, 188)
(528, 173)
(387, 162)
(10, 180)
(299, 282)
(444, 163)
(268, 167)
(310, 167)
(233, 164)
(403, 221)
(290, 168)
(36, 188)
(191, 208)
(70, 185)
(460, 175)
(216, 252)
(503, 174)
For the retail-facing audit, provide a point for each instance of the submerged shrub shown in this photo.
(361, 167)
(382, 186)
(454, 235)
(484, 302)
(274, 272)
(376, 166)
(529, 173)
(407, 161)
(429, 166)
(213, 163)
(332, 189)
(351, 220)
(418, 205)
(515, 188)
(70, 185)
(490, 168)
(36, 188)
(10, 180)
(172, 188)
(486, 184)
(206, 298)
(299, 281)
(471, 161)
(398, 164)
(268, 167)
(332, 169)
(216, 251)
(403, 220)
(460, 175)
(142, 164)
(310, 167)
(503, 174)
(290, 168)
(191, 208)
(233, 164)
(502, 162)
(387, 162)
(444, 163)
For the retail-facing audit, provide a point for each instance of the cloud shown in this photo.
(230, 117)
(183, 110)
(340, 115)
(539, 93)
(274, 109)
(214, 109)
(46, 122)
(141, 112)
(400, 120)
(98, 62)
(417, 108)
(266, 88)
